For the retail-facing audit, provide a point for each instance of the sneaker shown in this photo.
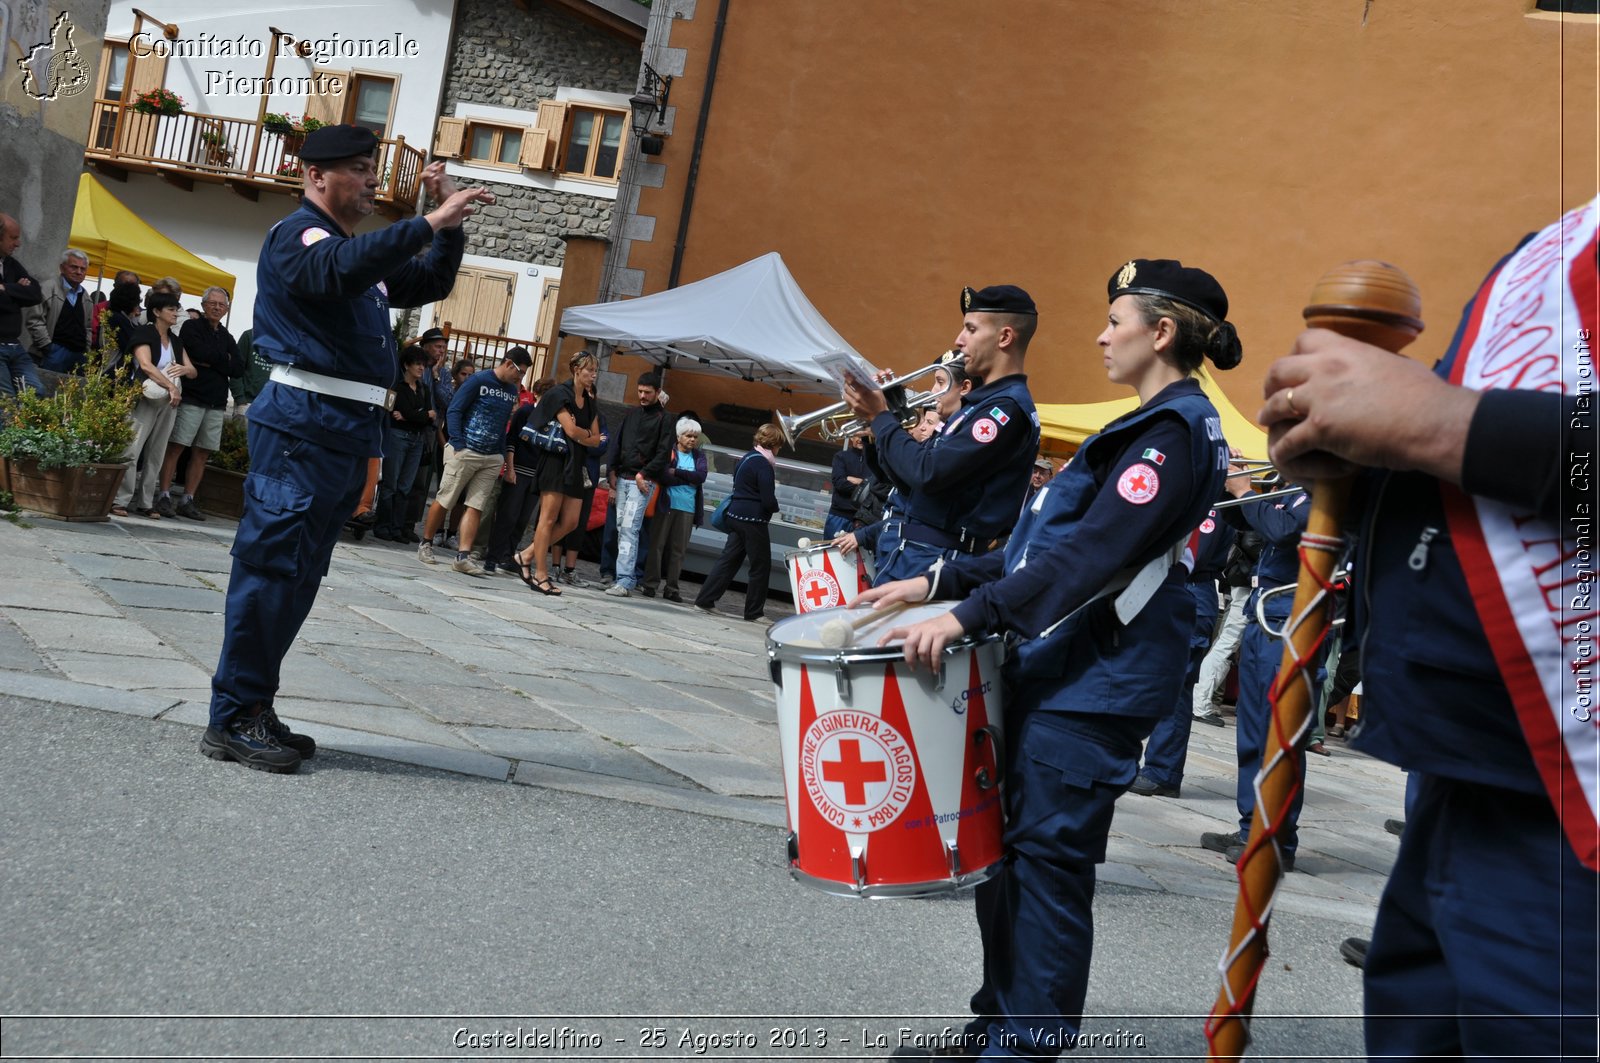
(1396, 827)
(304, 745)
(164, 506)
(247, 740)
(187, 509)
(619, 590)
(1354, 951)
(425, 553)
(706, 608)
(1145, 786)
(571, 578)
(648, 592)
(764, 621)
(1235, 854)
(453, 543)
(1220, 843)
(672, 596)
(410, 538)
(469, 566)
(1214, 718)
(607, 581)
(509, 569)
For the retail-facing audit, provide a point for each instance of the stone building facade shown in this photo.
(508, 58)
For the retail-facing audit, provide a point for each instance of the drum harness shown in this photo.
(1134, 587)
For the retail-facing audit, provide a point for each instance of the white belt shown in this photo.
(337, 387)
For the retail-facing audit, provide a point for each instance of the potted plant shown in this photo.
(64, 449)
(292, 130)
(216, 146)
(158, 101)
(222, 489)
(288, 170)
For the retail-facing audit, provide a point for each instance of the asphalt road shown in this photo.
(367, 910)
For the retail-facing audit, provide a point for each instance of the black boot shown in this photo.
(247, 740)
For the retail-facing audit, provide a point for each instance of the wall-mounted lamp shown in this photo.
(649, 106)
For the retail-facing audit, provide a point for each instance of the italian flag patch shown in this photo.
(1152, 454)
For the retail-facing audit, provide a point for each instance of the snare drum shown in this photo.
(891, 777)
(823, 576)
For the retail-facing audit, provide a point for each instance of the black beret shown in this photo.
(431, 335)
(1170, 279)
(334, 142)
(997, 299)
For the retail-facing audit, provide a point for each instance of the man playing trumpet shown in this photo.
(967, 485)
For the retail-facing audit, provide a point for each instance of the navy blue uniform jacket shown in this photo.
(322, 304)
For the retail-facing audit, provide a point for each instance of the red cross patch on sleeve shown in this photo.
(984, 430)
(1138, 484)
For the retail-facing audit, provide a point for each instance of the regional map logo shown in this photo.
(63, 74)
(858, 770)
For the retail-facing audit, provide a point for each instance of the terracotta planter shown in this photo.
(84, 492)
(221, 492)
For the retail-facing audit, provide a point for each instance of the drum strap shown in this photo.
(1133, 587)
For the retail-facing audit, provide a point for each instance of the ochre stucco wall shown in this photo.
(896, 150)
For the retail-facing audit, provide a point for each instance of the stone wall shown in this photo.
(509, 57)
(505, 56)
(527, 224)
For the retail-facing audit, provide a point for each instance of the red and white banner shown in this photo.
(1532, 579)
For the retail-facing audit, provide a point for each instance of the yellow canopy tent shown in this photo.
(115, 238)
(1071, 424)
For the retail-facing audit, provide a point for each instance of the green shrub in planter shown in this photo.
(84, 421)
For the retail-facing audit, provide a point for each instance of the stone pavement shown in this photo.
(631, 699)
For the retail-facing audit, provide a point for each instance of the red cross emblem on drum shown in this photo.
(858, 770)
(820, 589)
(984, 430)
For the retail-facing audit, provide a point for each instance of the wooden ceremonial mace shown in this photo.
(1375, 303)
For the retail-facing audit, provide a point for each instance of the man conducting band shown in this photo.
(1475, 558)
(967, 484)
(322, 320)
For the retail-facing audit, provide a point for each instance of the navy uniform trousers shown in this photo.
(1485, 892)
(1168, 750)
(1259, 657)
(1064, 773)
(297, 497)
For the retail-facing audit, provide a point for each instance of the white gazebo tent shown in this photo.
(752, 322)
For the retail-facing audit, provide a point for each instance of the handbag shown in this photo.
(551, 438)
(719, 516)
(154, 390)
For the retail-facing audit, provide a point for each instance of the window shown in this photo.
(371, 102)
(594, 143)
(494, 145)
(114, 77)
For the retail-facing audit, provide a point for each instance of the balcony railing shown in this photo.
(487, 350)
(188, 147)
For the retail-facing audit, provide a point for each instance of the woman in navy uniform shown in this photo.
(1280, 522)
(1474, 580)
(1093, 668)
(322, 320)
(965, 488)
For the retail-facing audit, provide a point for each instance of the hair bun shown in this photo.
(1225, 350)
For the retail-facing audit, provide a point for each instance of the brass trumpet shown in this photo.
(793, 426)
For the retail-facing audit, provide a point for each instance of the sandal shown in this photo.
(545, 586)
(524, 569)
(119, 511)
(150, 513)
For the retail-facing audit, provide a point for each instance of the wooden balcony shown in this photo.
(187, 148)
(487, 350)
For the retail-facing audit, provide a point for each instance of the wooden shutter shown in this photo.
(448, 138)
(535, 147)
(145, 72)
(326, 107)
(553, 120)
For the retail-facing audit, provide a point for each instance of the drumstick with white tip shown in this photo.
(838, 633)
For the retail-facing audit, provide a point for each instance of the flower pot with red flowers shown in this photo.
(158, 101)
(292, 130)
